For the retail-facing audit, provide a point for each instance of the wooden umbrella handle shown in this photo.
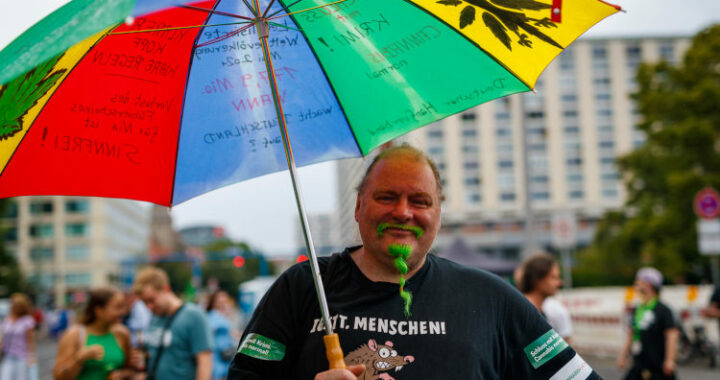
(334, 351)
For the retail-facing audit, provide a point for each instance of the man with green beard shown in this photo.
(399, 311)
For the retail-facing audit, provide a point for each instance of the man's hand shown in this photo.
(668, 367)
(351, 373)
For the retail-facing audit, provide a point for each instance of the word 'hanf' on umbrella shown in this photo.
(162, 101)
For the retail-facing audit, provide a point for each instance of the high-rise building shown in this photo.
(323, 228)
(577, 123)
(66, 244)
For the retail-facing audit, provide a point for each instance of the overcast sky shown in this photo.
(262, 211)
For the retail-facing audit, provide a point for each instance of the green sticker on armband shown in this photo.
(545, 348)
(261, 347)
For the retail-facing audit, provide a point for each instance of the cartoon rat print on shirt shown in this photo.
(377, 359)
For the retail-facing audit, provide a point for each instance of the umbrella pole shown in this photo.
(332, 343)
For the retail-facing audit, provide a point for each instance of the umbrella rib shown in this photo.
(179, 27)
(283, 26)
(216, 12)
(284, 8)
(305, 10)
(250, 8)
(268, 8)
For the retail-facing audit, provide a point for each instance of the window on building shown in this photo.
(77, 229)
(42, 253)
(507, 197)
(570, 113)
(573, 161)
(504, 132)
(79, 206)
(468, 116)
(474, 198)
(502, 115)
(11, 210)
(78, 279)
(44, 207)
(435, 133)
(575, 177)
(11, 234)
(607, 144)
(436, 150)
(505, 164)
(472, 181)
(610, 193)
(535, 115)
(572, 129)
(471, 165)
(467, 132)
(667, 52)
(41, 230)
(576, 194)
(541, 196)
(78, 252)
(599, 52)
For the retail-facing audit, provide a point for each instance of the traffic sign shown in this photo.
(564, 230)
(707, 203)
(709, 236)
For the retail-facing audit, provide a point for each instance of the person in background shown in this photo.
(652, 336)
(18, 340)
(98, 347)
(538, 278)
(178, 339)
(713, 309)
(222, 333)
(137, 318)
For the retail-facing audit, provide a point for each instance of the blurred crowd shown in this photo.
(151, 333)
(120, 335)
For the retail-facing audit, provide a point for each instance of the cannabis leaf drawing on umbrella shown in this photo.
(21, 94)
(501, 15)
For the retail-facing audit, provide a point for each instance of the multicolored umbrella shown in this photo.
(161, 100)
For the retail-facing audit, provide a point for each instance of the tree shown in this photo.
(219, 265)
(11, 278)
(680, 108)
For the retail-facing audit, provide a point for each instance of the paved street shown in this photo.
(47, 349)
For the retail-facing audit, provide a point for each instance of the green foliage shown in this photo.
(179, 274)
(11, 278)
(219, 265)
(680, 107)
(22, 93)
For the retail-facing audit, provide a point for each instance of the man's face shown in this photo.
(550, 285)
(155, 300)
(399, 190)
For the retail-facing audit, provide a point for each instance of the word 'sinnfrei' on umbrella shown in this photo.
(181, 100)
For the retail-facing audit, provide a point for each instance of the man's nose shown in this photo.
(401, 211)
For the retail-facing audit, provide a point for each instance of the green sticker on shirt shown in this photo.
(545, 348)
(261, 347)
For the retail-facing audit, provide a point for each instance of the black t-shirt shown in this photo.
(652, 327)
(465, 324)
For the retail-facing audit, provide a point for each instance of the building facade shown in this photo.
(570, 132)
(66, 244)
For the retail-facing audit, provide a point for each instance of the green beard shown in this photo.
(401, 252)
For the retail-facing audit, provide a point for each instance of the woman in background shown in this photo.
(98, 347)
(222, 333)
(18, 340)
